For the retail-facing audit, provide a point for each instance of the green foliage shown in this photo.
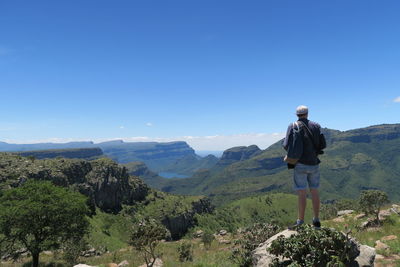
(346, 204)
(314, 247)
(207, 238)
(185, 251)
(72, 249)
(145, 237)
(371, 202)
(252, 237)
(40, 216)
(328, 211)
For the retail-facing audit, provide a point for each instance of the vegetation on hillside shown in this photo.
(39, 216)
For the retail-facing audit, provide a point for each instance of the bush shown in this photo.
(73, 249)
(145, 237)
(207, 239)
(252, 237)
(185, 251)
(314, 247)
(371, 202)
(328, 211)
(347, 204)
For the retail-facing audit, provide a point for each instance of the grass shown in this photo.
(391, 226)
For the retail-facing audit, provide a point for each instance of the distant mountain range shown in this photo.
(176, 157)
(366, 158)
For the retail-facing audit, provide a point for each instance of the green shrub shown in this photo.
(328, 211)
(252, 237)
(185, 251)
(72, 250)
(314, 247)
(347, 204)
(207, 238)
(145, 237)
(371, 202)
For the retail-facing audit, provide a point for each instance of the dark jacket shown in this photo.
(299, 143)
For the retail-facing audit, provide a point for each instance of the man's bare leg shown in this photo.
(302, 201)
(315, 202)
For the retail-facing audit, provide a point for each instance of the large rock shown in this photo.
(344, 212)
(261, 257)
(157, 263)
(362, 255)
(179, 224)
(366, 257)
(123, 263)
(380, 245)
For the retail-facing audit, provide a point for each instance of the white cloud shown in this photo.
(122, 127)
(397, 100)
(149, 124)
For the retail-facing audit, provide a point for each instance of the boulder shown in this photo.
(362, 255)
(261, 257)
(223, 232)
(123, 263)
(198, 233)
(112, 265)
(389, 238)
(360, 216)
(157, 263)
(381, 246)
(384, 213)
(83, 265)
(344, 212)
(366, 257)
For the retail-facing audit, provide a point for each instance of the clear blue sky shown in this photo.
(105, 69)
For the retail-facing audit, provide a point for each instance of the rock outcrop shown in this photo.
(363, 255)
(71, 153)
(107, 185)
(179, 224)
(239, 153)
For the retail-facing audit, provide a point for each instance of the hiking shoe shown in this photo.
(316, 224)
(296, 225)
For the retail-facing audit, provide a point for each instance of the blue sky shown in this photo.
(223, 73)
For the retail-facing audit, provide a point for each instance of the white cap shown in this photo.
(301, 110)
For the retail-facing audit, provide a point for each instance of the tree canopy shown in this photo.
(40, 216)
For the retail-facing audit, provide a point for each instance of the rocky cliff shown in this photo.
(239, 153)
(71, 153)
(106, 184)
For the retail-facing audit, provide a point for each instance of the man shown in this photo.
(304, 142)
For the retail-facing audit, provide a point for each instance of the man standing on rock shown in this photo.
(303, 143)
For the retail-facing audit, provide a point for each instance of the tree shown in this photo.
(40, 216)
(185, 251)
(145, 237)
(207, 238)
(371, 202)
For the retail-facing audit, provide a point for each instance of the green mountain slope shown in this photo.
(367, 158)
